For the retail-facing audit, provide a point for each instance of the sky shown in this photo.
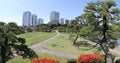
(12, 10)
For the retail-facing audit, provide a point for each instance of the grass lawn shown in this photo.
(19, 59)
(64, 44)
(34, 37)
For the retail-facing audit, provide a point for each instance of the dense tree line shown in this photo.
(50, 27)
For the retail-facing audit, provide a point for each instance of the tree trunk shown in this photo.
(103, 42)
(3, 54)
(74, 42)
(108, 56)
(4, 51)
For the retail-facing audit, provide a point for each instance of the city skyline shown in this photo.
(30, 19)
(12, 11)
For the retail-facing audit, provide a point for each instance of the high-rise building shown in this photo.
(62, 21)
(30, 19)
(54, 17)
(67, 22)
(34, 20)
(26, 19)
(39, 21)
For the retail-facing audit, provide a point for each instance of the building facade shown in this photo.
(67, 22)
(54, 17)
(26, 19)
(39, 21)
(34, 20)
(62, 21)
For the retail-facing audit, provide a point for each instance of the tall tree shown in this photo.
(10, 45)
(100, 14)
(74, 29)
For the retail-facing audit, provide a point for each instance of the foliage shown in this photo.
(85, 30)
(71, 61)
(12, 26)
(2, 23)
(90, 58)
(43, 28)
(28, 29)
(44, 61)
(73, 27)
(61, 28)
(21, 30)
(100, 15)
(10, 44)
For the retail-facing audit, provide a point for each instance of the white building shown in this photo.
(54, 17)
(62, 21)
(34, 20)
(26, 19)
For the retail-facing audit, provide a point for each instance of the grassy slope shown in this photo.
(19, 59)
(63, 44)
(34, 37)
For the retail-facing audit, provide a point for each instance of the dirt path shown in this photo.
(38, 48)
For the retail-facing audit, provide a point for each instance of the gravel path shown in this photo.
(117, 52)
(38, 48)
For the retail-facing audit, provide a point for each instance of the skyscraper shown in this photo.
(34, 20)
(26, 19)
(67, 22)
(54, 17)
(62, 21)
(39, 21)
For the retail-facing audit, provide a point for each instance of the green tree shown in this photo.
(99, 14)
(43, 28)
(10, 45)
(12, 26)
(74, 29)
(28, 29)
(2, 23)
(61, 28)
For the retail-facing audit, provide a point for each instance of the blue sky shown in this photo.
(12, 10)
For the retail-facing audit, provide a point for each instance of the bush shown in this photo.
(90, 58)
(28, 29)
(71, 61)
(44, 61)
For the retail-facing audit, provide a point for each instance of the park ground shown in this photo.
(56, 46)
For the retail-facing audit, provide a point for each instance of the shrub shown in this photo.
(71, 61)
(90, 58)
(44, 61)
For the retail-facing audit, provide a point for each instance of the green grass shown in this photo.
(19, 59)
(64, 44)
(34, 37)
